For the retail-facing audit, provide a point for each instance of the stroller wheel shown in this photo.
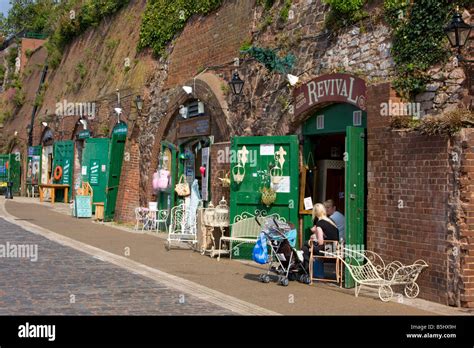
(266, 278)
(284, 281)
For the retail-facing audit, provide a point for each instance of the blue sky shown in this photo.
(4, 6)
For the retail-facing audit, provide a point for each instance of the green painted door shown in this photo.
(355, 192)
(168, 161)
(94, 166)
(262, 154)
(63, 156)
(117, 148)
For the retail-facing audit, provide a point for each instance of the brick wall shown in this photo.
(408, 191)
(128, 196)
(212, 40)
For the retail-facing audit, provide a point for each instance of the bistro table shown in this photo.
(53, 188)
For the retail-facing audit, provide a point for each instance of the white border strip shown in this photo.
(204, 293)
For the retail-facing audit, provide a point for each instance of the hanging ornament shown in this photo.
(202, 169)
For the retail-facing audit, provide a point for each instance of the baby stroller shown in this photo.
(284, 259)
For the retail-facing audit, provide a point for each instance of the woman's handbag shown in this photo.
(182, 187)
(161, 179)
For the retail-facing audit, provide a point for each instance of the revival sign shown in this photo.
(339, 88)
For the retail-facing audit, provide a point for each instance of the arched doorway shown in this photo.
(187, 137)
(333, 130)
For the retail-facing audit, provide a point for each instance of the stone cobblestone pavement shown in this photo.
(64, 281)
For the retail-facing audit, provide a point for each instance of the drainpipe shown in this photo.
(35, 107)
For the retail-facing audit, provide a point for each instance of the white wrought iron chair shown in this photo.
(183, 228)
(161, 217)
(141, 217)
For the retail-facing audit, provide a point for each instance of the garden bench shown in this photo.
(246, 229)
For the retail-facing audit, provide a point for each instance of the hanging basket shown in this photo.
(268, 196)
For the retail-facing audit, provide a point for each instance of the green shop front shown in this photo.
(333, 133)
(101, 167)
(325, 160)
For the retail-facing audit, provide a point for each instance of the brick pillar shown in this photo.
(128, 196)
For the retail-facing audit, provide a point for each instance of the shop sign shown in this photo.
(196, 126)
(94, 176)
(339, 88)
(83, 207)
(66, 172)
(121, 128)
(34, 151)
(84, 134)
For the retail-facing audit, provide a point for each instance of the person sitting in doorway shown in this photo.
(323, 229)
(338, 218)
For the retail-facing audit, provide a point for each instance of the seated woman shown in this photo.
(324, 229)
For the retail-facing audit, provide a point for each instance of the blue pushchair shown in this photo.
(284, 259)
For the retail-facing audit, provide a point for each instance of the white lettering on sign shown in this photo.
(334, 87)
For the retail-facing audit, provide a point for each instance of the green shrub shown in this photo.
(163, 19)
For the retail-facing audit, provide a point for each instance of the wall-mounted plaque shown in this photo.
(196, 126)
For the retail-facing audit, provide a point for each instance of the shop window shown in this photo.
(357, 118)
(320, 122)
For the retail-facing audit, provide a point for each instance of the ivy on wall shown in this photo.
(418, 41)
(418, 36)
(270, 59)
(73, 19)
(163, 19)
(345, 12)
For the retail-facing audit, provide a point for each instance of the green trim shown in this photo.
(336, 118)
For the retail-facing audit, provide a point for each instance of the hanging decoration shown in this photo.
(238, 172)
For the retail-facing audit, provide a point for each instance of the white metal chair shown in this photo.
(141, 217)
(161, 217)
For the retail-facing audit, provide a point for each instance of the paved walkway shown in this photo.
(232, 284)
(63, 281)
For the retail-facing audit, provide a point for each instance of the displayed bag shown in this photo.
(260, 252)
(161, 180)
(182, 187)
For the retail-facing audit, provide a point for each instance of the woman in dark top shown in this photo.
(323, 229)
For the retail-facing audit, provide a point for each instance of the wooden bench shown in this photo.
(246, 229)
